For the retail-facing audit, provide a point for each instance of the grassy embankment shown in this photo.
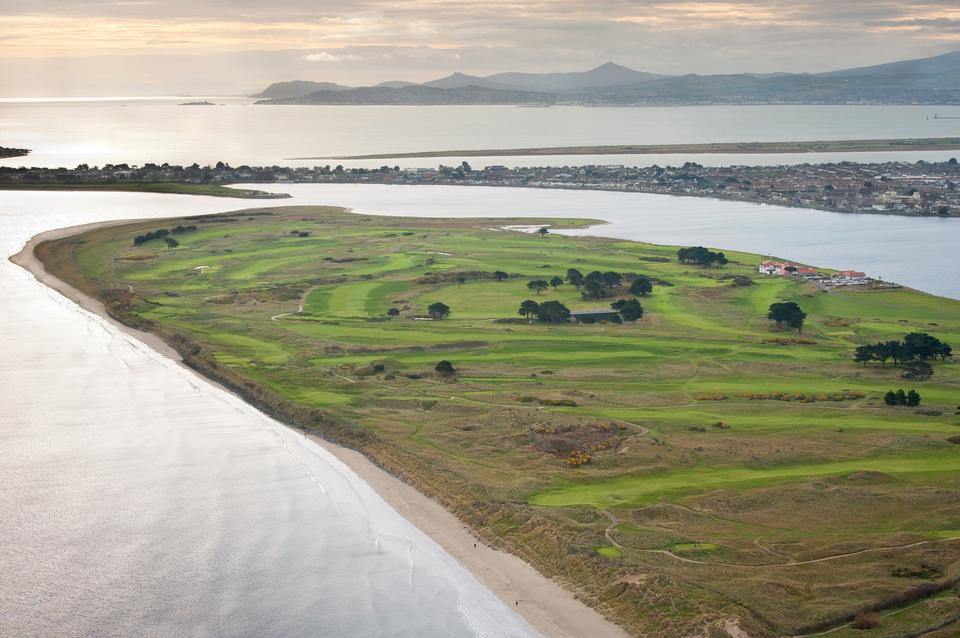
(701, 501)
(823, 146)
(210, 190)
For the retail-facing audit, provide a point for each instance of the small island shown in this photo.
(13, 152)
(200, 103)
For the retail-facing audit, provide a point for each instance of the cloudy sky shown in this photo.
(136, 47)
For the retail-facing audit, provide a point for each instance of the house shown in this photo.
(772, 268)
(593, 316)
(851, 274)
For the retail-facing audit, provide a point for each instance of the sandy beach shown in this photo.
(545, 604)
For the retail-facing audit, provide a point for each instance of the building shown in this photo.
(593, 316)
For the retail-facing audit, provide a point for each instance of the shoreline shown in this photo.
(546, 605)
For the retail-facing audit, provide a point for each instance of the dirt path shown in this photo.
(822, 559)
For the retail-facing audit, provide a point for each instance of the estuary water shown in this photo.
(135, 131)
(140, 500)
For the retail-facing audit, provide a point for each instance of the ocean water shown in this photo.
(135, 131)
(139, 500)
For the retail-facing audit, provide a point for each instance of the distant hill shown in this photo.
(940, 64)
(461, 80)
(298, 88)
(605, 75)
(418, 95)
(934, 80)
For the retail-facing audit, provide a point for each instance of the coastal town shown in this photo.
(898, 188)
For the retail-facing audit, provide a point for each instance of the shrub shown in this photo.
(866, 620)
(445, 367)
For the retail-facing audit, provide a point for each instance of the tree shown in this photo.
(783, 311)
(864, 354)
(890, 398)
(612, 279)
(700, 256)
(553, 312)
(542, 231)
(393, 312)
(538, 285)
(593, 289)
(629, 309)
(575, 277)
(556, 281)
(922, 346)
(641, 286)
(795, 320)
(913, 398)
(500, 275)
(528, 308)
(170, 242)
(438, 310)
(445, 368)
(901, 397)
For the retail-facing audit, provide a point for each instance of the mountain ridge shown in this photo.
(932, 80)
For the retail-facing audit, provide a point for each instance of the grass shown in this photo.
(678, 448)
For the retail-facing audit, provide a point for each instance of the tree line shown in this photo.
(162, 233)
(700, 256)
(916, 346)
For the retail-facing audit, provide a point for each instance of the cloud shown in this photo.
(323, 56)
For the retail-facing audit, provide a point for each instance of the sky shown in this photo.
(227, 47)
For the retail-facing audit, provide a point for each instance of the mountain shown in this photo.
(418, 95)
(395, 84)
(605, 75)
(937, 65)
(934, 80)
(461, 80)
(297, 88)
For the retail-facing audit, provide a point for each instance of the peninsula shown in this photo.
(13, 152)
(889, 188)
(823, 146)
(690, 439)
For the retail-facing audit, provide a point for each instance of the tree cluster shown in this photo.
(546, 312)
(161, 233)
(597, 285)
(911, 398)
(700, 256)
(787, 312)
(916, 346)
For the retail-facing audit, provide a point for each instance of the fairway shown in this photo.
(695, 462)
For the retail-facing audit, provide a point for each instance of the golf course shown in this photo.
(698, 464)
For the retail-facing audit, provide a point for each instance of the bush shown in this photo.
(866, 620)
(445, 367)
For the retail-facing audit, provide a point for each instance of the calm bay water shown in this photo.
(67, 133)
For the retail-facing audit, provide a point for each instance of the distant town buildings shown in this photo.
(901, 188)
